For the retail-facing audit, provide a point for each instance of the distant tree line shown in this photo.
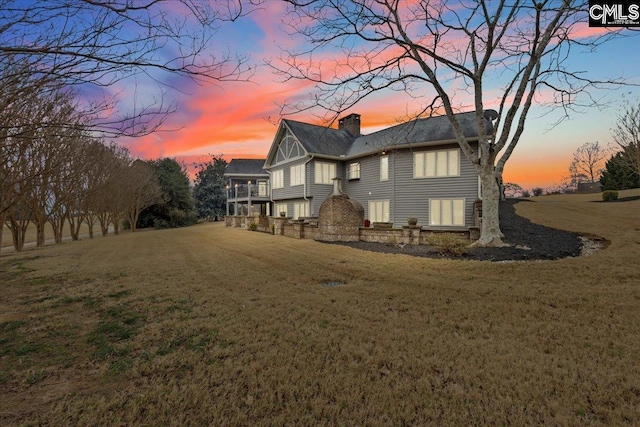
(53, 169)
(615, 168)
(62, 69)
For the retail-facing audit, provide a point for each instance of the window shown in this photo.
(325, 172)
(300, 209)
(384, 168)
(262, 189)
(379, 210)
(277, 176)
(297, 175)
(280, 207)
(430, 164)
(354, 171)
(446, 212)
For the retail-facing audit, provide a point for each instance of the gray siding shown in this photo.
(290, 209)
(408, 196)
(369, 187)
(319, 192)
(289, 192)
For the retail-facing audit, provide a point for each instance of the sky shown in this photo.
(239, 119)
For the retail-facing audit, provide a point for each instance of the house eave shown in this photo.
(392, 147)
(252, 175)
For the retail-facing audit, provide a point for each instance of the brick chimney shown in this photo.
(350, 123)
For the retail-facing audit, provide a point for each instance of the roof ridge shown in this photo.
(312, 124)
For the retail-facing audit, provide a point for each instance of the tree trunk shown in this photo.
(18, 232)
(57, 223)
(3, 215)
(116, 223)
(40, 220)
(490, 234)
(40, 234)
(75, 222)
(90, 219)
(133, 218)
(104, 219)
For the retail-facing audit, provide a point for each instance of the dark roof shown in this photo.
(321, 140)
(246, 167)
(421, 131)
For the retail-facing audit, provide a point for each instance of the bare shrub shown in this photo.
(449, 244)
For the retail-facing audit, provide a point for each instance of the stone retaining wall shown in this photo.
(308, 229)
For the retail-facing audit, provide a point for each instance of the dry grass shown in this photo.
(216, 326)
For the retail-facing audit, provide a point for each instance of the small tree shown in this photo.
(617, 174)
(537, 191)
(513, 190)
(588, 161)
(175, 207)
(140, 190)
(209, 191)
(626, 136)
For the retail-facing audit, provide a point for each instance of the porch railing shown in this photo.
(242, 191)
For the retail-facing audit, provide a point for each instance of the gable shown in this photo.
(289, 148)
(285, 148)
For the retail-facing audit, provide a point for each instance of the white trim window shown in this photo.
(300, 209)
(379, 210)
(280, 207)
(446, 212)
(277, 178)
(432, 164)
(297, 175)
(263, 189)
(384, 168)
(325, 172)
(354, 171)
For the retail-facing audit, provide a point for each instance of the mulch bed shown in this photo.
(528, 241)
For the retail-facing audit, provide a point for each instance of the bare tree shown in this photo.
(626, 136)
(518, 48)
(513, 190)
(141, 190)
(588, 162)
(101, 44)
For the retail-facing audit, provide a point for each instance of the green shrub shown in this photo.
(609, 195)
(449, 244)
(253, 226)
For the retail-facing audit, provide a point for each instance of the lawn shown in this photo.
(6, 244)
(210, 325)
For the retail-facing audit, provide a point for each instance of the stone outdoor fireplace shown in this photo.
(340, 217)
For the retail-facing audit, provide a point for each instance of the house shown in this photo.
(247, 187)
(415, 169)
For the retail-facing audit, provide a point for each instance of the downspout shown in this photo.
(304, 186)
(392, 158)
(271, 193)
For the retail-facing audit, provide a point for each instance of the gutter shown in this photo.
(394, 147)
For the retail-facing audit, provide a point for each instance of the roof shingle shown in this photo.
(246, 167)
